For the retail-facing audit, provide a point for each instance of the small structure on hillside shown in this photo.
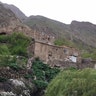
(49, 53)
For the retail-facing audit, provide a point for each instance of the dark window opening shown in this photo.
(65, 50)
(32, 53)
(2, 33)
(50, 54)
(48, 38)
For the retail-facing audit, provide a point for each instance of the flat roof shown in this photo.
(49, 44)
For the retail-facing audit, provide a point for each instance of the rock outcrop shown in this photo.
(9, 23)
(16, 11)
(16, 87)
(13, 83)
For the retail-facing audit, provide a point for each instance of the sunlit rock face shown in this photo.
(7, 94)
(17, 83)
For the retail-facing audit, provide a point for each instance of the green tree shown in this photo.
(73, 83)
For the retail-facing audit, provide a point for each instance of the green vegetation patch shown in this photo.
(41, 74)
(73, 83)
(4, 49)
(91, 55)
(14, 44)
(14, 62)
(61, 42)
(13, 50)
(2, 79)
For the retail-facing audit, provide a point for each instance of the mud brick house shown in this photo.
(59, 56)
(49, 52)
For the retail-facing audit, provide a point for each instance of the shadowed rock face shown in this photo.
(13, 83)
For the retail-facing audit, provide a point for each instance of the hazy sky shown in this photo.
(61, 10)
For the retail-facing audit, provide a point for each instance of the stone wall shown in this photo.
(78, 65)
(47, 52)
(43, 37)
(56, 56)
(9, 73)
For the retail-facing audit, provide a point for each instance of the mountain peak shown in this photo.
(74, 22)
(16, 11)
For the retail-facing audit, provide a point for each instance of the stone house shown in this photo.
(49, 52)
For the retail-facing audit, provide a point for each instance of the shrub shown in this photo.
(40, 84)
(2, 79)
(27, 76)
(73, 83)
(4, 60)
(15, 44)
(4, 38)
(19, 44)
(15, 67)
(4, 49)
(41, 73)
(13, 62)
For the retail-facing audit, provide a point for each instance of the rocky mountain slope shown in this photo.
(78, 32)
(49, 26)
(15, 78)
(9, 23)
(16, 10)
(83, 31)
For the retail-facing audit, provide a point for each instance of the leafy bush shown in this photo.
(4, 60)
(4, 38)
(27, 76)
(19, 44)
(15, 44)
(41, 73)
(2, 79)
(73, 83)
(12, 62)
(15, 66)
(40, 84)
(4, 49)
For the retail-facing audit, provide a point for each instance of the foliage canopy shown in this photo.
(14, 44)
(73, 83)
(42, 74)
